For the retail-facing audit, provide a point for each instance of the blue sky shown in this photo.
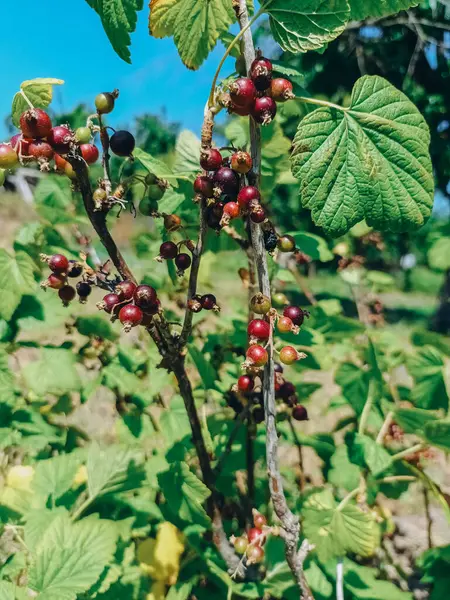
(69, 43)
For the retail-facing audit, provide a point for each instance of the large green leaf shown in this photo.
(53, 373)
(438, 433)
(343, 473)
(16, 279)
(38, 92)
(71, 557)
(307, 25)
(355, 385)
(335, 530)
(37, 521)
(187, 154)
(365, 452)
(427, 368)
(119, 18)
(196, 25)
(368, 161)
(363, 9)
(53, 477)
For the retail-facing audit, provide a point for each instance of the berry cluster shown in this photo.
(171, 251)
(132, 304)
(250, 545)
(205, 302)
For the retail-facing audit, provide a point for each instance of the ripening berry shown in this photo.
(280, 299)
(248, 195)
(264, 110)
(241, 544)
(183, 261)
(241, 162)
(35, 123)
(125, 289)
(299, 413)
(242, 92)
(83, 135)
(288, 355)
(64, 166)
(122, 143)
(60, 138)
(109, 302)
(227, 180)
(261, 73)
(203, 185)
(58, 263)
(104, 103)
(40, 150)
(168, 250)
(172, 222)
(253, 534)
(55, 281)
(245, 384)
(83, 291)
(257, 355)
(281, 90)
(20, 144)
(258, 214)
(67, 294)
(211, 159)
(242, 111)
(208, 302)
(144, 296)
(255, 555)
(285, 325)
(8, 157)
(286, 243)
(130, 316)
(231, 209)
(259, 520)
(90, 153)
(74, 269)
(258, 328)
(260, 304)
(296, 314)
(286, 390)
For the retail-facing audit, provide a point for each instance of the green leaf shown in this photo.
(312, 245)
(413, 420)
(7, 385)
(155, 166)
(16, 279)
(39, 93)
(369, 161)
(205, 369)
(95, 325)
(334, 530)
(187, 154)
(308, 25)
(185, 494)
(119, 18)
(71, 557)
(439, 254)
(354, 382)
(363, 9)
(196, 25)
(343, 472)
(438, 433)
(53, 373)
(174, 422)
(365, 452)
(427, 369)
(53, 477)
(37, 522)
(364, 584)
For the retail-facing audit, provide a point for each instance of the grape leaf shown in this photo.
(370, 161)
(307, 25)
(196, 25)
(362, 9)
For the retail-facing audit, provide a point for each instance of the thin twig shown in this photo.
(302, 479)
(426, 500)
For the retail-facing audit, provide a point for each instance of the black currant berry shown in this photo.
(168, 250)
(122, 143)
(83, 291)
(208, 301)
(67, 294)
(299, 413)
(183, 262)
(227, 180)
(270, 240)
(74, 269)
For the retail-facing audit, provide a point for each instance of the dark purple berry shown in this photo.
(122, 143)
(168, 250)
(227, 180)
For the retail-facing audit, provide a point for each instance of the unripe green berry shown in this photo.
(83, 135)
(104, 103)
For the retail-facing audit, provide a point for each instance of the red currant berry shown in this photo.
(281, 90)
(35, 123)
(264, 110)
(242, 111)
(260, 304)
(241, 544)
(261, 73)
(125, 290)
(20, 144)
(287, 390)
(58, 263)
(257, 355)
(168, 250)
(60, 138)
(227, 180)
(258, 214)
(204, 186)
(285, 324)
(245, 384)
(183, 262)
(40, 150)
(122, 143)
(247, 196)
(255, 555)
(83, 135)
(104, 103)
(299, 413)
(130, 316)
(288, 355)
(253, 536)
(286, 243)
(109, 302)
(211, 159)
(242, 92)
(259, 520)
(296, 314)
(83, 291)
(258, 328)
(90, 153)
(144, 296)
(208, 302)
(55, 281)
(8, 157)
(232, 210)
(172, 222)
(241, 162)
(67, 294)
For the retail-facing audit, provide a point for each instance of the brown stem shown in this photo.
(290, 523)
(104, 139)
(302, 479)
(250, 460)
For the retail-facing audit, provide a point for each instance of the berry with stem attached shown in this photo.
(60, 138)
(104, 103)
(259, 520)
(209, 302)
(40, 150)
(74, 269)
(257, 355)
(286, 243)
(83, 135)
(281, 90)
(156, 191)
(285, 325)
(258, 214)
(248, 195)
(109, 302)
(203, 185)
(211, 159)
(125, 289)
(245, 384)
(299, 413)
(67, 294)
(57, 263)
(8, 157)
(264, 110)
(280, 299)
(259, 329)
(260, 304)
(241, 544)
(254, 535)
(147, 207)
(168, 250)
(55, 281)
(261, 73)
(130, 316)
(255, 555)
(183, 262)
(286, 390)
(296, 314)
(242, 92)
(241, 162)
(172, 222)
(122, 143)
(90, 153)
(83, 291)
(232, 210)
(227, 181)
(35, 123)
(144, 296)
(288, 355)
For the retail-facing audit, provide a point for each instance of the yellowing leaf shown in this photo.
(160, 557)
(20, 477)
(41, 81)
